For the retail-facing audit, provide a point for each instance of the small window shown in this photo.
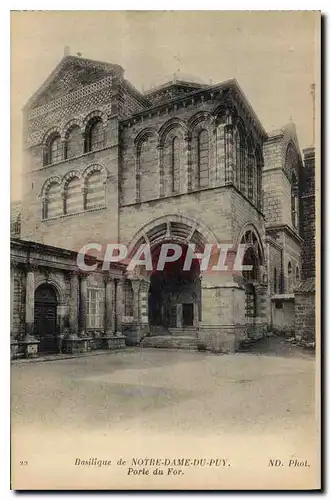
(53, 152)
(73, 196)
(175, 165)
(203, 158)
(74, 144)
(53, 206)
(95, 191)
(95, 136)
(95, 308)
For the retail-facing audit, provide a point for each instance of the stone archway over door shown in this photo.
(45, 318)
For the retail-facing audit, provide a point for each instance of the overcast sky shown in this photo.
(272, 55)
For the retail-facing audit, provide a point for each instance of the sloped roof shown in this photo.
(289, 132)
(86, 71)
(307, 286)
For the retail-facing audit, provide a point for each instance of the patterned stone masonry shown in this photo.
(189, 151)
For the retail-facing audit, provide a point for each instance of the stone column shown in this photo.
(44, 203)
(161, 169)
(255, 182)
(29, 301)
(188, 164)
(120, 304)
(74, 303)
(143, 305)
(137, 176)
(110, 306)
(136, 288)
(84, 197)
(82, 304)
(229, 154)
(213, 157)
(262, 312)
(64, 202)
(179, 320)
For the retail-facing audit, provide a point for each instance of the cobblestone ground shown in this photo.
(249, 407)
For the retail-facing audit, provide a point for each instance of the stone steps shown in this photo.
(187, 331)
(247, 344)
(170, 342)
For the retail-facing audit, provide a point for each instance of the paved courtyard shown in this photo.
(249, 407)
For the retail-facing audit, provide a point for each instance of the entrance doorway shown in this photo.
(170, 288)
(188, 314)
(45, 312)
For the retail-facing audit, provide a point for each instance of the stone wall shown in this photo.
(283, 320)
(305, 316)
(17, 327)
(74, 230)
(308, 226)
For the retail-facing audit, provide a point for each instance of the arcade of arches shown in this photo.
(65, 310)
(218, 307)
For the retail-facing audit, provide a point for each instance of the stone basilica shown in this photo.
(185, 163)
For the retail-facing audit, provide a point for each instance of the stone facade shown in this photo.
(305, 295)
(49, 300)
(185, 163)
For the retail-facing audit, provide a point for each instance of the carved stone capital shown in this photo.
(31, 267)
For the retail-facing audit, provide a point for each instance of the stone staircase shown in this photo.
(170, 341)
(185, 331)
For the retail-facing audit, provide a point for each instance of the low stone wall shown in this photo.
(283, 316)
(28, 346)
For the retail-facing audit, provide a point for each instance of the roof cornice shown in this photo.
(230, 87)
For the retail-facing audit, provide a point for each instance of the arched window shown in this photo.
(53, 202)
(73, 145)
(237, 149)
(149, 177)
(258, 177)
(73, 196)
(53, 151)
(243, 165)
(289, 277)
(275, 280)
(220, 153)
(175, 165)
(95, 191)
(95, 135)
(203, 158)
(250, 176)
(292, 167)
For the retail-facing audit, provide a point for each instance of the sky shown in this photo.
(273, 55)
